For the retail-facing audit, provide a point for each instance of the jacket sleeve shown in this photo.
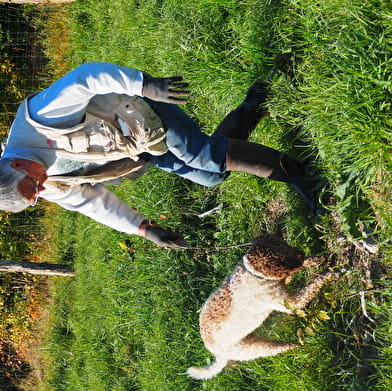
(100, 204)
(63, 103)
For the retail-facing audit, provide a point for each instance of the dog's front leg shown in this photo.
(301, 298)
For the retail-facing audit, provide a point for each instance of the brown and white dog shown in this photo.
(247, 297)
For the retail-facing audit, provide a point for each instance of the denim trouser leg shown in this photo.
(192, 154)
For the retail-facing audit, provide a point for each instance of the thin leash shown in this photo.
(194, 248)
(214, 210)
(216, 248)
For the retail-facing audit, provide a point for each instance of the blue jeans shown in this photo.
(192, 154)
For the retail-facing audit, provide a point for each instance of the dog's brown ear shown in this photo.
(294, 263)
(275, 244)
(271, 257)
(271, 266)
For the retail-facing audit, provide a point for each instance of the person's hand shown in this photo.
(165, 89)
(160, 236)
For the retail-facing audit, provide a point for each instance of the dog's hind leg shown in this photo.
(252, 347)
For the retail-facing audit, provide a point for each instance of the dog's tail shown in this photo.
(203, 373)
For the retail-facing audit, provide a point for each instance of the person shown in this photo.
(103, 121)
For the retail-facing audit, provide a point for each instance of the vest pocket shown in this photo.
(78, 142)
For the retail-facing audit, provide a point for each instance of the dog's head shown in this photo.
(272, 258)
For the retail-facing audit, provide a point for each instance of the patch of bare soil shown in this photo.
(357, 257)
(357, 347)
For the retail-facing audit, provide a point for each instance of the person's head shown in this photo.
(20, 182)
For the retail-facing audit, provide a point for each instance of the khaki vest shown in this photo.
(115, 130)
(115, 127)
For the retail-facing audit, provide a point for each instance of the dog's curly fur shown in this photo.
(247, 297)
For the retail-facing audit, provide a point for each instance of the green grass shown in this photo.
(128, 320)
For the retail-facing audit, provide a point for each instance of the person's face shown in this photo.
(30, 186)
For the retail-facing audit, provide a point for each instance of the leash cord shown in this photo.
(195, 248)
(217, 248)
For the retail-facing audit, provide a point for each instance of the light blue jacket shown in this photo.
(63, 105)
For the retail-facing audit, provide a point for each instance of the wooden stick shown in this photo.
(46, 269)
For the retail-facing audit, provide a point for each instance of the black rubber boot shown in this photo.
(265, 162)
(241, 122)
(304, 184)
(255, 159)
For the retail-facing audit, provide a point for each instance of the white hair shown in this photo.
(10, 198)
